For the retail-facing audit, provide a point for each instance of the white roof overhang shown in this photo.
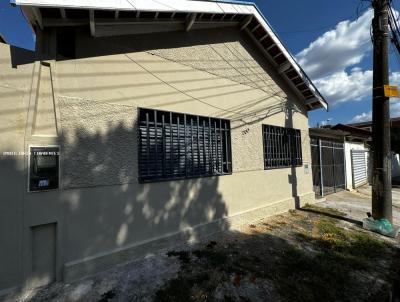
(122, 17)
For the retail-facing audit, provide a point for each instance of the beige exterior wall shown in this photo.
(88, 106)
(15, 85)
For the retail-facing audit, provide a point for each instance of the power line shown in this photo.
(240, 114)
(394, 28)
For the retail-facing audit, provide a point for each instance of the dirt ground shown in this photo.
(314, 254)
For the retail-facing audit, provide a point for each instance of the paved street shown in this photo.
(357, 203)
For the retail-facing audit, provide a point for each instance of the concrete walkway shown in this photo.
(356, 204)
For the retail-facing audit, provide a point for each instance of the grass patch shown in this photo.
(327, 275)
(324, 210)
(330, 271)
(356, 250)
(348, 241)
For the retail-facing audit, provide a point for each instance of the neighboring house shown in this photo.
(394, 132)
(394, 142)
(394, 123)
(339, 158)
(143, 124)
(357, 149)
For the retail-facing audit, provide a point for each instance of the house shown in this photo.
(139, 124)
(394, 144)
(394, 123)
(394, 132)
(357, 147)
(340, 158)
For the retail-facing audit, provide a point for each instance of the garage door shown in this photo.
(359, 168)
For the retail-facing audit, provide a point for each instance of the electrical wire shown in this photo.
(240, 114)
(394, 28)
(392, 20)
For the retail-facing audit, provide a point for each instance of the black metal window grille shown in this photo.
(282, 147)
(176, 145)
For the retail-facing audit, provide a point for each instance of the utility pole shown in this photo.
(381, 167)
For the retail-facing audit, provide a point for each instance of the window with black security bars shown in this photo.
(282, 147)
(177, 146)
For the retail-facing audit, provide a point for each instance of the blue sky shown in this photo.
(330, 39)
(14, 27)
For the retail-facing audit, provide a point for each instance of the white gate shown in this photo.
(359, 168)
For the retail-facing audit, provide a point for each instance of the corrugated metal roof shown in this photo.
(254, 23)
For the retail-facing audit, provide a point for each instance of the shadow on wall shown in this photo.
(210, 51)
(21, 56)
(12, 189)
(290, 109)
(119, 211)
(104, 206)
(245, 66)
(248, 67)
(103, 217)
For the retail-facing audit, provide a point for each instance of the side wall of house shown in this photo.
(15, 86)
(88, 106)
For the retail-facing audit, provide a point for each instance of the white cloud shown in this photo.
(338, 49)
(395, 108)
(326, 122)
(363, 117)
(350, 86)
(328, 59)
(367, 116)
(331, 61)
(342, 86)
(394, 78)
